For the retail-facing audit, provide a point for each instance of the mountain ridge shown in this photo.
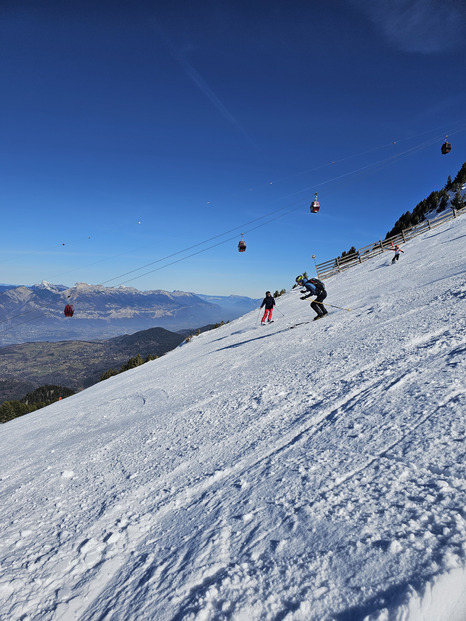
(35, 313)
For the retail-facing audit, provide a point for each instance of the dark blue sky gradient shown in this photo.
(133, 130)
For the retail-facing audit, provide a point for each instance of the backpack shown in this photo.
(318, 284)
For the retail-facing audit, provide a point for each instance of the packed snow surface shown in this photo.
(295, 471)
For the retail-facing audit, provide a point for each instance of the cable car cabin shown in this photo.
(446, 147)
(69, 312)
(242, 246)
(315, 205)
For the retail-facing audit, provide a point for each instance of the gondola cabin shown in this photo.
(242, 244)
(315, 205)
(69, 312)
(446, 147)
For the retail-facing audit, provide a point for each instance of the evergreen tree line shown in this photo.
(132, 363)
(436, 201)
(212, 327)
(348, 253)
(35, 400)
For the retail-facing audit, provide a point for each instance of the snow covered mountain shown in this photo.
(233, 305)
(36, 313)
(294, 471)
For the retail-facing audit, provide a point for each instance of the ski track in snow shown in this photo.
(259, 472)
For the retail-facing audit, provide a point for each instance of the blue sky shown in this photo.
(133, 132)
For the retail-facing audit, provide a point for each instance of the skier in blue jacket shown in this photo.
(314, 287)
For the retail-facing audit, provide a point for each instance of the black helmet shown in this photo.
(268, 293)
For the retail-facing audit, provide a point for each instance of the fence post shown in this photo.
(403, 235)
(381, 245)
(454, 213)
(359, 257)
(428, 224)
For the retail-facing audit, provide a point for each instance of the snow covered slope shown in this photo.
(260, 473)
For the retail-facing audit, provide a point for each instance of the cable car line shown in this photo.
(8, 328)
(16, 316)
(196, 245)
(264, 219)
(210, 247)
(286, 210)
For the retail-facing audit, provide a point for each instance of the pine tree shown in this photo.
(444, 198)
(107, 374)
(460, 178)
(13, 409)
(458, 201)
(132, 363)
(347, 253)
(46, 394)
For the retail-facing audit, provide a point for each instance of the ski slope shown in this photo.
(260, 473)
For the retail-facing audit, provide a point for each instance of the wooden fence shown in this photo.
(340, 264)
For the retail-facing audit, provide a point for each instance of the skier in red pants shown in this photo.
(269, 303)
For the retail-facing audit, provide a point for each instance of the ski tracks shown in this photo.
(253, 515)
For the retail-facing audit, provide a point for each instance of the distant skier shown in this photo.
(397, 251)
(315, 287)
(269, 303)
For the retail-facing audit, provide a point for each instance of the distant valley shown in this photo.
(75, 364)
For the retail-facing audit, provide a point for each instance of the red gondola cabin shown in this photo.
(315, 205)
(446, 147)
(69, 312)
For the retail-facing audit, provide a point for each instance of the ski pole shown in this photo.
(279, 311)
(327, 304)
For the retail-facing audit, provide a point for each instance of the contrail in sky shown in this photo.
(199, 81)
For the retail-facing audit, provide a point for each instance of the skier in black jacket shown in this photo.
(269, 303)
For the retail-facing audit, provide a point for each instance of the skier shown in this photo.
(397, 251)
(269, 303)
(315, 287)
